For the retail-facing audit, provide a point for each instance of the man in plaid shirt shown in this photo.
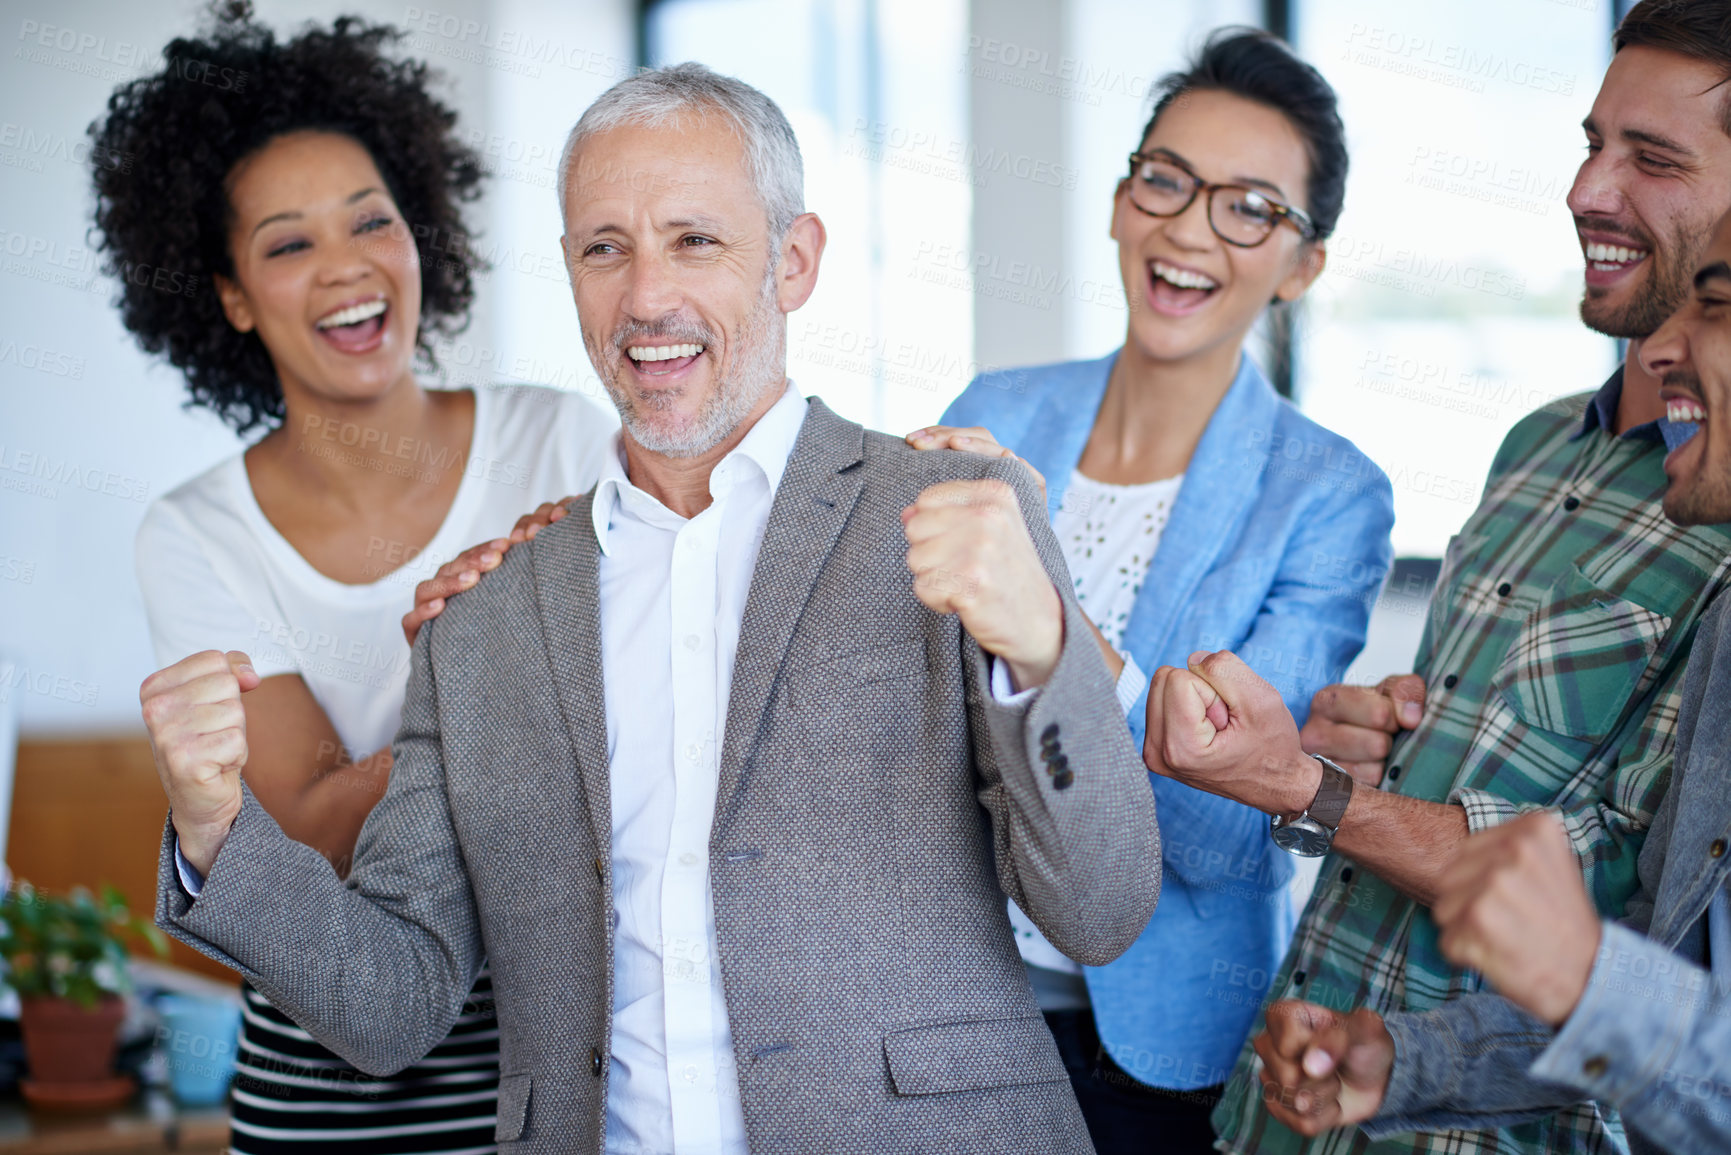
(1550, 670)
(1635, 1012)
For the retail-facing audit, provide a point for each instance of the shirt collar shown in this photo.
(1602, 414)
(767, 445)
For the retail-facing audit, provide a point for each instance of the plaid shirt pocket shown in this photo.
(1578, 658)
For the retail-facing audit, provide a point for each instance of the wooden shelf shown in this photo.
(90, 811)
(146, 1126)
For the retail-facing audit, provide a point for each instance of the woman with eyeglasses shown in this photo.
(1197, 511)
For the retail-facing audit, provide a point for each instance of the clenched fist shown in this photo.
(1354, 726)
(1219, 727)
(1321, 1069)
(971, 556)
(198, 736)
(1513, 907)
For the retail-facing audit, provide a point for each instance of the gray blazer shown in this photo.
(875, 805)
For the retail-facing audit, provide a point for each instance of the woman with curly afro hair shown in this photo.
(309, 192)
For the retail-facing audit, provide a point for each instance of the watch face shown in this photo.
(1305, 837)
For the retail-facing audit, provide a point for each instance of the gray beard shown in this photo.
(759, 368)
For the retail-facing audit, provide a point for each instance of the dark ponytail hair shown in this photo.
(1255, 65)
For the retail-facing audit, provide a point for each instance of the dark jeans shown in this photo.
(1127, 1117)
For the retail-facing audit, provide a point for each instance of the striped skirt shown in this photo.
(291, 1094)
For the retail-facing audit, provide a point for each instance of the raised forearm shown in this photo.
(1407, 842)
(1466, 1064)
(377, 968)
(327, 810)
(301, 772)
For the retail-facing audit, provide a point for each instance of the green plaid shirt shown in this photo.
(1553, 657)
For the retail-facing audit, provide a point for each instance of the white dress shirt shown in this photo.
(672, 593)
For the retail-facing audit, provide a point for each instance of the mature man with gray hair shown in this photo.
(725, 774)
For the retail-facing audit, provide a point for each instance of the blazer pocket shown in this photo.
(857, 670)
(974, 1055)
(513, 1107)
(1578, 659)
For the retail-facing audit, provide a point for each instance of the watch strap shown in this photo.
(1332, 795)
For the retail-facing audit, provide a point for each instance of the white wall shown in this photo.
(91, 429)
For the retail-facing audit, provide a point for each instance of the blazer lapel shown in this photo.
(817, 493)
(1224, 476)
(566, 589)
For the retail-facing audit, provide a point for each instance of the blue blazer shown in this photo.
(1276, 549)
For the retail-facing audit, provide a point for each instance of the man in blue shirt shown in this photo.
(1636, 1014)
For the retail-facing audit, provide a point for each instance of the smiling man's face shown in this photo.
(1691, 355)
(1656, 177)
(674, 276)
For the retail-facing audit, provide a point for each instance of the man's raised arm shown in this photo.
(1077, 844)
(377, 969)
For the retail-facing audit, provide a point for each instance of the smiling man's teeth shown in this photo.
(1183, 278)
(662, 352)
(1685, 412)
(1614, 254)
(353, 315)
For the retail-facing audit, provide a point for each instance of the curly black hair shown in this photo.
(164, 153)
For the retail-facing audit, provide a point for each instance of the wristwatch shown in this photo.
(1311, 834)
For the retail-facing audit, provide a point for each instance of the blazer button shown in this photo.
(1049, 734)
(595, 1063)
(600, 874)
(1717, 850)
(1062, 779)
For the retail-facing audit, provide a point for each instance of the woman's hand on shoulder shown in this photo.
(968, 439)
(464, 570)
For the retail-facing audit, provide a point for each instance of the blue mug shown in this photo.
(198, 1036)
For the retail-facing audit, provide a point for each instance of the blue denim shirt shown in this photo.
(1277, 546)
(1652, 1032)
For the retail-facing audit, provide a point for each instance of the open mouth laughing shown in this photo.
(1176, 290)
(663, 360)
(1611, 258)
(357, 327)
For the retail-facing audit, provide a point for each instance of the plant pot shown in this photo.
(68, 1045)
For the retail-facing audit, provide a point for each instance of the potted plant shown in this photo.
(66, 959)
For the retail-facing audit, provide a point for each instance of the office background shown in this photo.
(963, 155)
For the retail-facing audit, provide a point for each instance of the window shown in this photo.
(1448, 309)
(887, 339)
